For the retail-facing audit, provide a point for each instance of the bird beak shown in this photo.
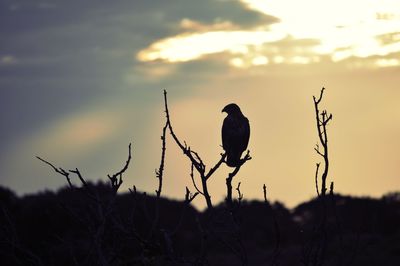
(223, 110)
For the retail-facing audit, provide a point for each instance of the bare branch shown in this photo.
(230, 177)
(320, 247)
(205, 194)
(59, 170)
(320, 97)
(116, 179)
(240, 194)
(193, 181)
(197, 164)
(316, 179)
(317, 150)
(194, 157)
(133, 191)
(160, 171)
(78, 173)
(265, 193)
(189, 196)
(323, 137)
(127, 161)
(202, 165)
(216, 166)
(159, 175)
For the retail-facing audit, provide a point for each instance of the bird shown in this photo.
(235, 134)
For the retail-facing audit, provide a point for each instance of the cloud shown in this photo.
(340, 25)
(391, 62)
(186, 47)
(334, 30)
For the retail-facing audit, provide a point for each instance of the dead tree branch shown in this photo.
(160, 171)
(194, 158)
(315, 254)
(103, 210)
(59, 170)
(322, 119)
(240, 194)
(230, 177)
(159, 176)
(116, 179)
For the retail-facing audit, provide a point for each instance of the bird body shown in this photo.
(235, 134)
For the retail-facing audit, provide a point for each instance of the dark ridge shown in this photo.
(55, 228)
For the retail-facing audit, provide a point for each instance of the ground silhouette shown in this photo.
(54, 228)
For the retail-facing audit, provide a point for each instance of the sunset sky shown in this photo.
(80, 80)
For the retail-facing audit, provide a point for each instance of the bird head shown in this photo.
(232, 109)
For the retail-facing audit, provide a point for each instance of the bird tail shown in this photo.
(233, 160)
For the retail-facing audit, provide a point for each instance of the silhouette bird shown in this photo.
(235, 134)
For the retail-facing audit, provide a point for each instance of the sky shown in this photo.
(80, 80)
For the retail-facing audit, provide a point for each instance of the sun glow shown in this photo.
(188, 47)
(339, 29)
(387, 62)
(343, 28)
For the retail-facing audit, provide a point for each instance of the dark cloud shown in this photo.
(88, 45)
(151, 18)
(61, 57)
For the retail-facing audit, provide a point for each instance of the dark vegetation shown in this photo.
(93, 224)
(56, 229)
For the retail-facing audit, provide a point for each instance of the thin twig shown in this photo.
(159, 175)
(316, 179)
(160, 171)
(116, 179)
(193, 181)
(216, 166)
(232, 175)
(60, 171)
(240, 194)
